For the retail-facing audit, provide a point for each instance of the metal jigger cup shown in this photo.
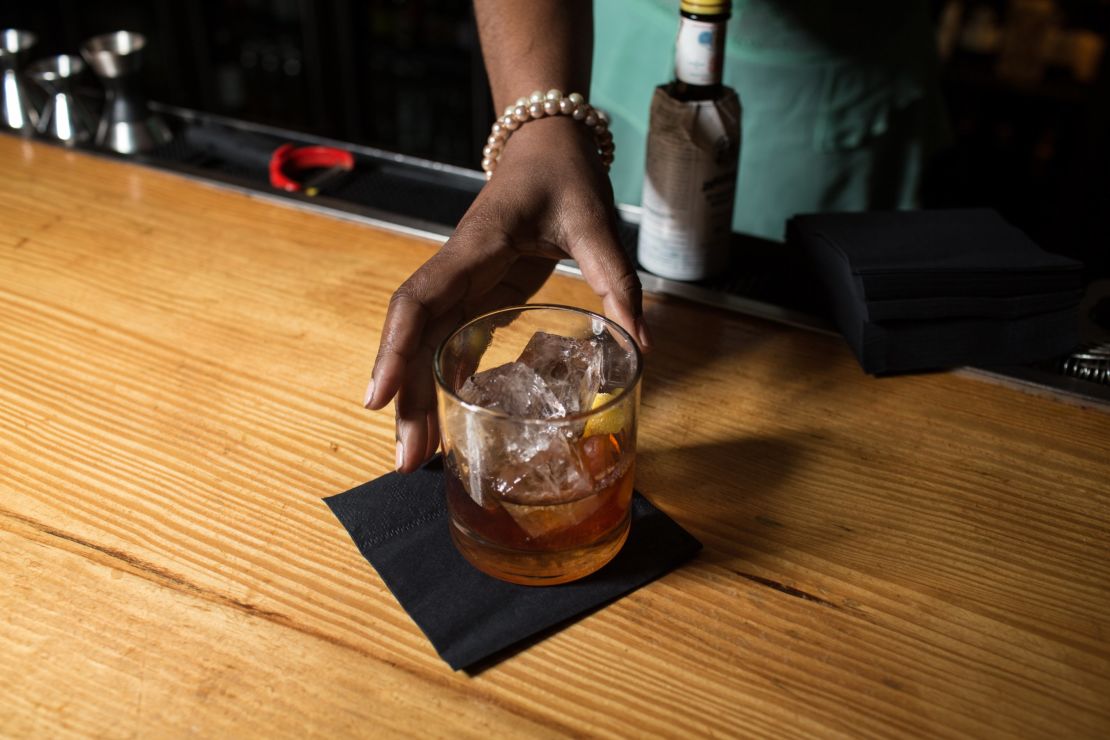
(16, 109)
(126, 125)
(63, 117)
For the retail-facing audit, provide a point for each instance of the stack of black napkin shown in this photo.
(924, 290)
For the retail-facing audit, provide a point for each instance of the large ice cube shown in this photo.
(549, 492)
(515, 389)
(467, 442)
(536, 469)
(617, 362)
(570, 367)
(539, 521)
(554, 472)
(483, 445)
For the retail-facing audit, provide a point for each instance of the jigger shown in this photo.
(63, 117)
(16, 109)
(126, 124)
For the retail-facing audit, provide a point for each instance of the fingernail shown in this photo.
(400, 454)
(369, 394)
(643, 333)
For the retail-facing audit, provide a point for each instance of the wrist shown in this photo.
(551, 135)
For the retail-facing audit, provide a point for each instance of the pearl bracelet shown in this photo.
(538, 105)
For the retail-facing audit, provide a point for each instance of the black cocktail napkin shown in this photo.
(884, 348)
(927, 290)
(933, 254)
(399, 523)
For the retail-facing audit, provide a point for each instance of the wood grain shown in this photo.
(180, 376)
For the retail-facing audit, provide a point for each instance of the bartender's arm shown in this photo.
(550, 198)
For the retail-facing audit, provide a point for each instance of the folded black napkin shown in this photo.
(986, 307)
(925, 290)
(941, 254)
(885, 348)
(399, 523)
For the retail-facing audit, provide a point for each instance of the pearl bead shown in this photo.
(538, 105)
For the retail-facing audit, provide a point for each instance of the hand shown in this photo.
(548, 199)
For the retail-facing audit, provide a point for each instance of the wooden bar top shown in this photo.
(181, 369)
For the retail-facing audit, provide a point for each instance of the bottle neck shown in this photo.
(699, 55)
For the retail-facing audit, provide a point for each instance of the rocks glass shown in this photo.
(538, 409)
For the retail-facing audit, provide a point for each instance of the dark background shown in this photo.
(402, 76)
(408, 77)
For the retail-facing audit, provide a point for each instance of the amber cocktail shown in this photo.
(537, 408)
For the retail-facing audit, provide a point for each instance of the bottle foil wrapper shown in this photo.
(693, 150)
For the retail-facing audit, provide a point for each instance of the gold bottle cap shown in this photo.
(706, 7)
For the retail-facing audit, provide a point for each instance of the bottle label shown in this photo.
(689, 186)
(699, 52)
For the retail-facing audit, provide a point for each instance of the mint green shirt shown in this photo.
(839, 101)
